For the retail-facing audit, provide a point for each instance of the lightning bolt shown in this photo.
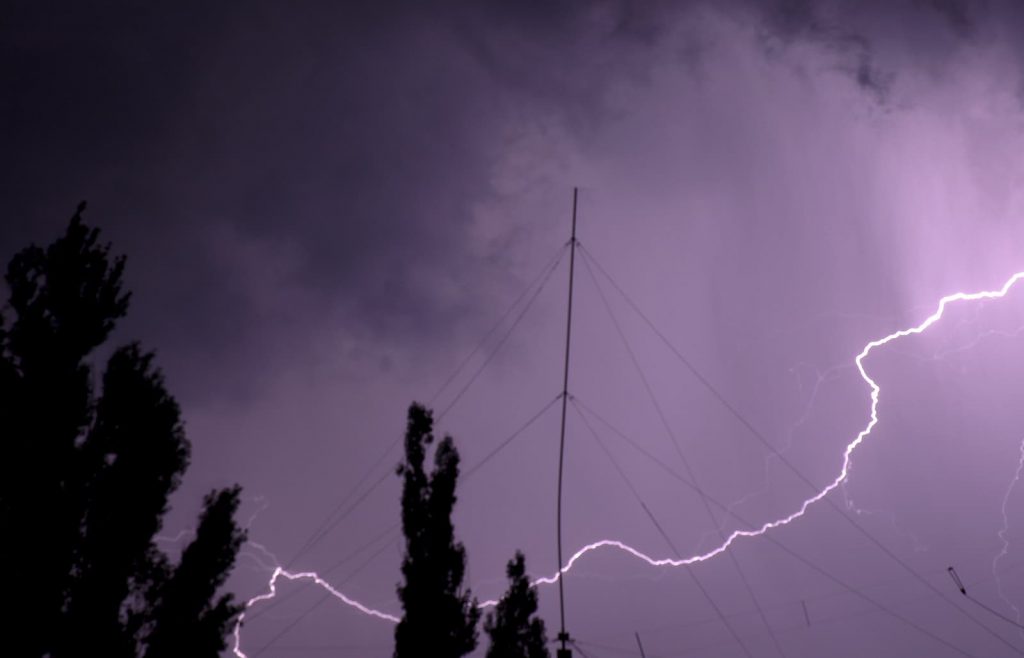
(840, 478)
(821, 378)
(302, 575)
(891, 517)
(1004, 551)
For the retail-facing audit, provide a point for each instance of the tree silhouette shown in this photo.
(186, 620)
(440, 617)
(84, 480)
(514, 630)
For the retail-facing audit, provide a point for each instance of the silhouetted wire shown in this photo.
(661, 530)
(501, 342)
(795, 605)
(577, 648)
(476, 467)
(632, 650)
(627, 481)
(344, 515)
(767, 536)
(549, 266)
(799, 626)
(382, 648)
(679, 450)
(963, 590)
(389, 533)
(703, 649)
(501, 446)
(629, 651)
(994, 611)
(331, 521)
(326, 525)
(754, 432)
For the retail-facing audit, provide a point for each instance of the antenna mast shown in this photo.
(563, 637)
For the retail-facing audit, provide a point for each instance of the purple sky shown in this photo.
(326, 207)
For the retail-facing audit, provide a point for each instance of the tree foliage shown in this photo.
(513, 628)
(187, 619)
(85, 478)
(440, 616)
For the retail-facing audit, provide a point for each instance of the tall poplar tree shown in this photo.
(513, 627)
(440, 616)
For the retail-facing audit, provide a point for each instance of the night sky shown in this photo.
(327, 206)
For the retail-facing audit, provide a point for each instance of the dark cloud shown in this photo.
(314, 135)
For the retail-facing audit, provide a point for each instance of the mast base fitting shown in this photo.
(563, 637)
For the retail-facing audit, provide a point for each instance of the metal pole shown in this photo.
(563, 637)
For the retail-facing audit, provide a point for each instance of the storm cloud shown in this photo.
(325, 207)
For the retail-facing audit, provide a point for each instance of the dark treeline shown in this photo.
(85, 476)
(87, 471)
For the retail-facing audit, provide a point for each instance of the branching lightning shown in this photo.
(840, 478)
